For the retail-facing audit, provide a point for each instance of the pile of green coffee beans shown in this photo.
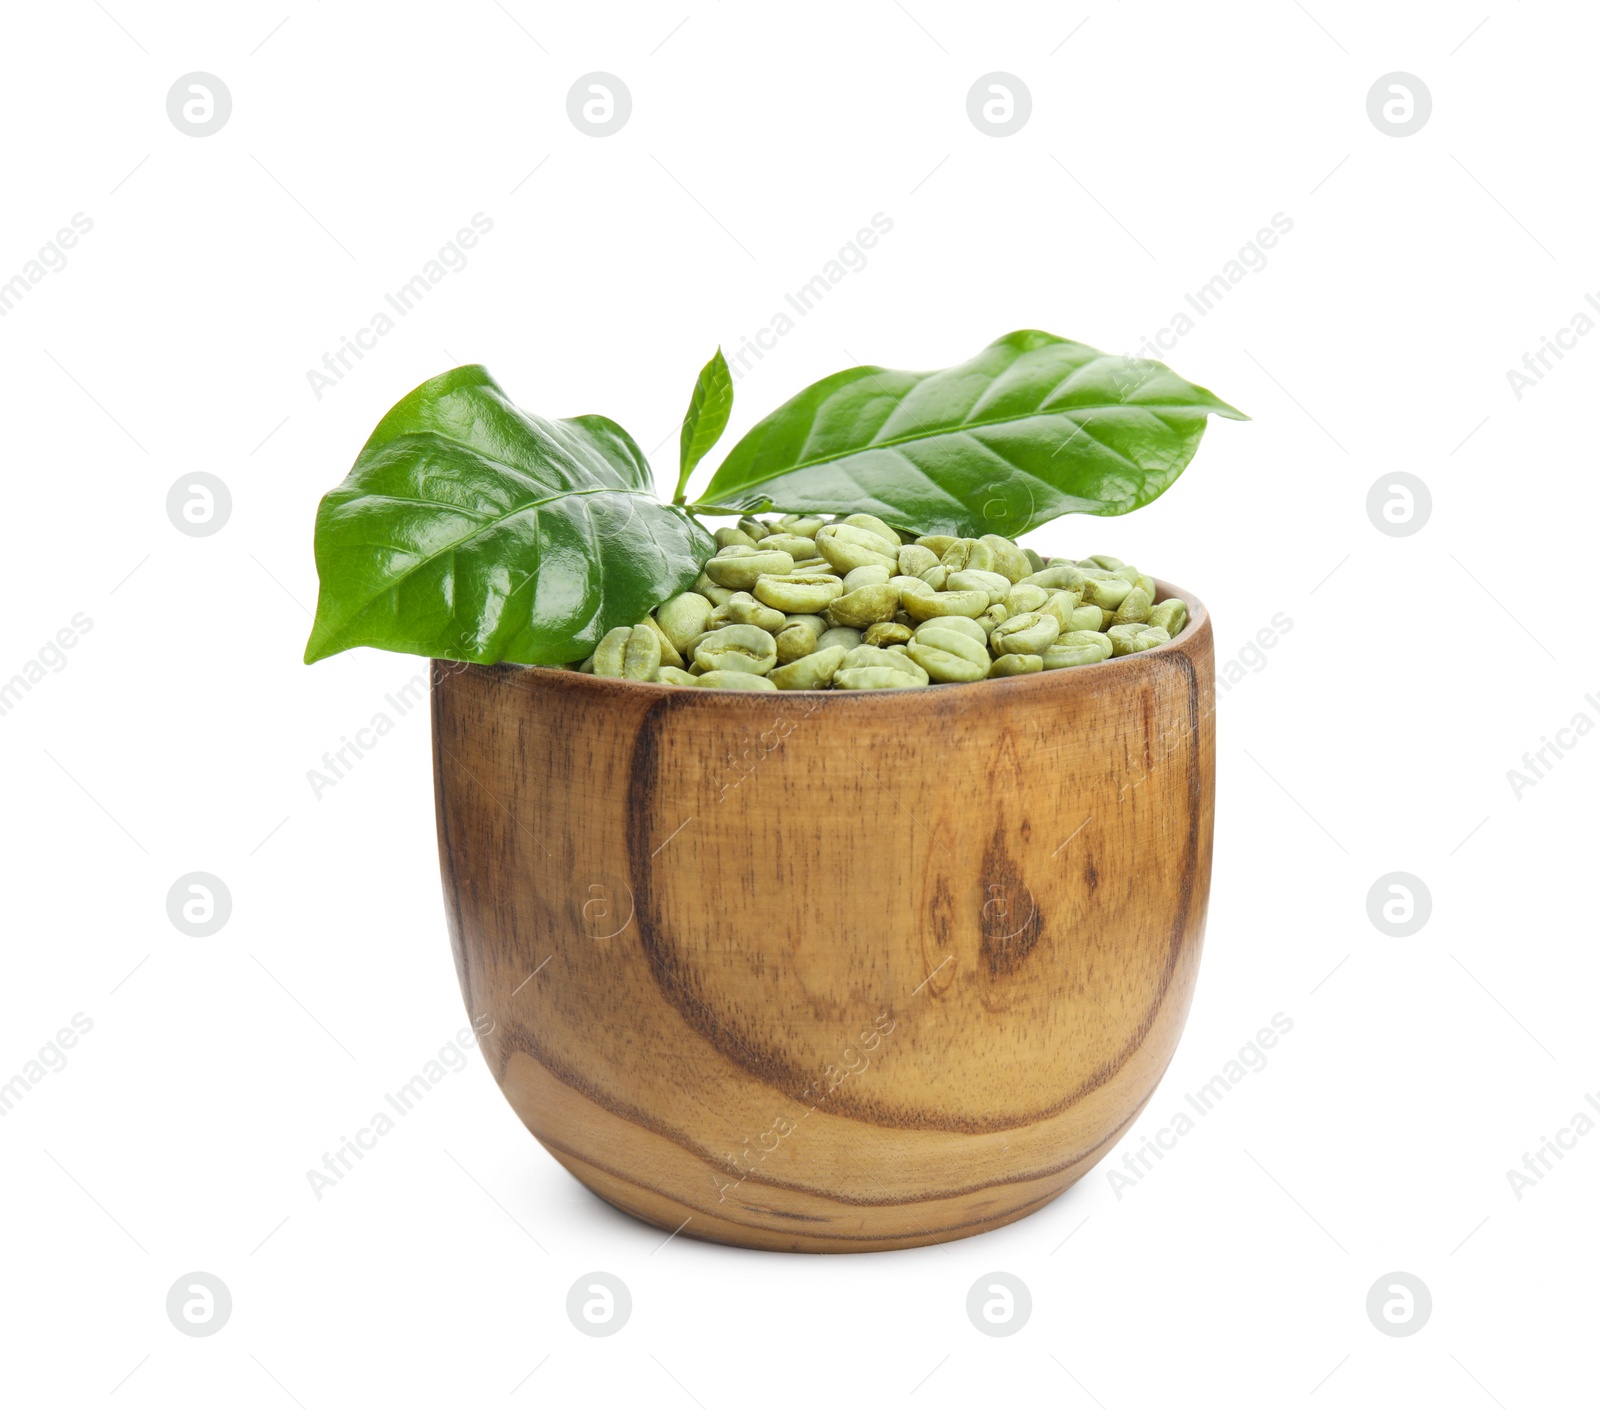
(803, 603)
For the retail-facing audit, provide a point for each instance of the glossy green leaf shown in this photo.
(1031, 428)
(470, 530)
(706, 419)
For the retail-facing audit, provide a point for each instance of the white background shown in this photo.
(1375, 736)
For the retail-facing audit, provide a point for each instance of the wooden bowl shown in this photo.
(829, 971)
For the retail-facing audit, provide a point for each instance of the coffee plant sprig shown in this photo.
(471, 530)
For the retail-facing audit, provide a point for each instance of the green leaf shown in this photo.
(706, 419)
(468, 529)
(1033, 427)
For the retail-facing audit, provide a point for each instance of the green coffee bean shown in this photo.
(846, 637)
(864, 606)
(757, 530)
(737, 648)
(1135, 636)
(1008, 558)
(968, 553)
(935, 577)
(883, 658)
(914, 559)
(733, 680)
(1172, 615)
(738, 568)
(586, 666)
(1027, 634)
(949, 652)
(670, 656)
(997, 585)
(1101, 560)
(963, 626)
(809, 619)
(671, 675)
(1130, 575)
(1135, 607)
(704, 587)
(954, 636)
(792, 544)
(805, 526)
(684, 617)
(873, 525)
(1104, 592)
(886, 634)
(1083, 648)
(1061, 604)
(609, 655)
(875, 660)
(870, 576)
(1085, 638)
(1026, 597)
(1014, 664)
(848, 546)
(795, 642)
(742, 607)
(1061, 655)
(1148, 584)
(937, 543)
(875, 678)
(798, 592)
(728, 538)
(812, 672)
(1056, 575)
(929, 603)
(1087, 619)
(949, 655)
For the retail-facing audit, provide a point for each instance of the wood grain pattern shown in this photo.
(829, 971)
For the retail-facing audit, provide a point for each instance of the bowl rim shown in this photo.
(1199, 618)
